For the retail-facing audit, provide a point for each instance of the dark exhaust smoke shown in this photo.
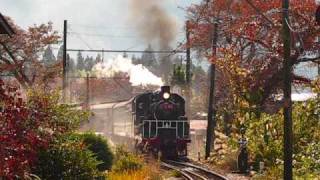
(152, 22)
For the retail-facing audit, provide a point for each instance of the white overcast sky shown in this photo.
(106, 19)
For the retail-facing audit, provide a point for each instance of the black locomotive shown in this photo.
(156, 120)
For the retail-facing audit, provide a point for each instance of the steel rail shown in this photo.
(185, 175)
(199, 168)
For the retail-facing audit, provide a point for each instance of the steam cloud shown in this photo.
(152, 22)
(138, 74)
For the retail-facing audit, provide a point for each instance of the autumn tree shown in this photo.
(21, 54)
(19, 134)
(250, 52)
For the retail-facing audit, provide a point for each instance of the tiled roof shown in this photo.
(5, 28)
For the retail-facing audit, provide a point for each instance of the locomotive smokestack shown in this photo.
(165, 89)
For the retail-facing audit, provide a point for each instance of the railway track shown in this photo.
(192, 172)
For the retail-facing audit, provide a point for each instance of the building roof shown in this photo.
(5, 28)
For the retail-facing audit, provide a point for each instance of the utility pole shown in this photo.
(188, 71)
(188, 64)
(64, 62)
(287, 107)
(211, 106)
(88, 91)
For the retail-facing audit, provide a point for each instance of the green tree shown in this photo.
(98, 59)
(60, 53)
(48, 57)
(88, 63)
(67, 160)
(99, 146)
(148, 58)
(80, 61)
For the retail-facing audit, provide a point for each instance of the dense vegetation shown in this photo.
(265, 139)
(35, 128)
(37, 139)
(249, 58)
(99, 146)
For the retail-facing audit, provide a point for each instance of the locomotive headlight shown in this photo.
(166, 95)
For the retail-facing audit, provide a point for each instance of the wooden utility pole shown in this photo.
(188, 63)
(211, 105)
(64, 62)
(88, 91)
(188, 71)
(287, 105)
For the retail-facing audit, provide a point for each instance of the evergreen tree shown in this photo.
(125, 55)
(135, 60)
(71, 63)
(60, 53)
(80, 61)
(98, 59)
(148, 58)
(89, 63)
(48, 57)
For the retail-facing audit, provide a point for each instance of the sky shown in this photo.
(94, 24)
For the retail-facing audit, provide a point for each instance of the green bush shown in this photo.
(176, 174)
(68, 160)
(125, 161)
(128, 163)
(99, 146)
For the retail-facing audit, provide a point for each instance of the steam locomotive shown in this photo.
(155, 120)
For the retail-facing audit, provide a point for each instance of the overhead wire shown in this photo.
(103, 35)
(81, 39)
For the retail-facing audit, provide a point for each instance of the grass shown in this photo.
(150, 172)
(176, 174)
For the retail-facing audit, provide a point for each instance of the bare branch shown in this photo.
(259, 12)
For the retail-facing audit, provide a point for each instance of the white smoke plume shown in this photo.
(138, 74)
(317, 2)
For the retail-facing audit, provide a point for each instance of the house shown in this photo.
(5, 28)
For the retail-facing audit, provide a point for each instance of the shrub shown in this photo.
(176, 174)
(127, 164)
(20, 133)
(150, 171)
(99, 146)
(67, 160)
(60, 118)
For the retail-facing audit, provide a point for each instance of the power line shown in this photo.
(102, 35)
(102, 27)
(128, 51)
(79, 37)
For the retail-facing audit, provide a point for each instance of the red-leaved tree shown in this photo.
(21, 54)
(250, 52)
(21, 133)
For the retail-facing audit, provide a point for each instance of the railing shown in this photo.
(153, 127)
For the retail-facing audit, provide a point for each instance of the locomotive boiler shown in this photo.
(155, 120)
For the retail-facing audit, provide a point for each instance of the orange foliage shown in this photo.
(250, 47)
